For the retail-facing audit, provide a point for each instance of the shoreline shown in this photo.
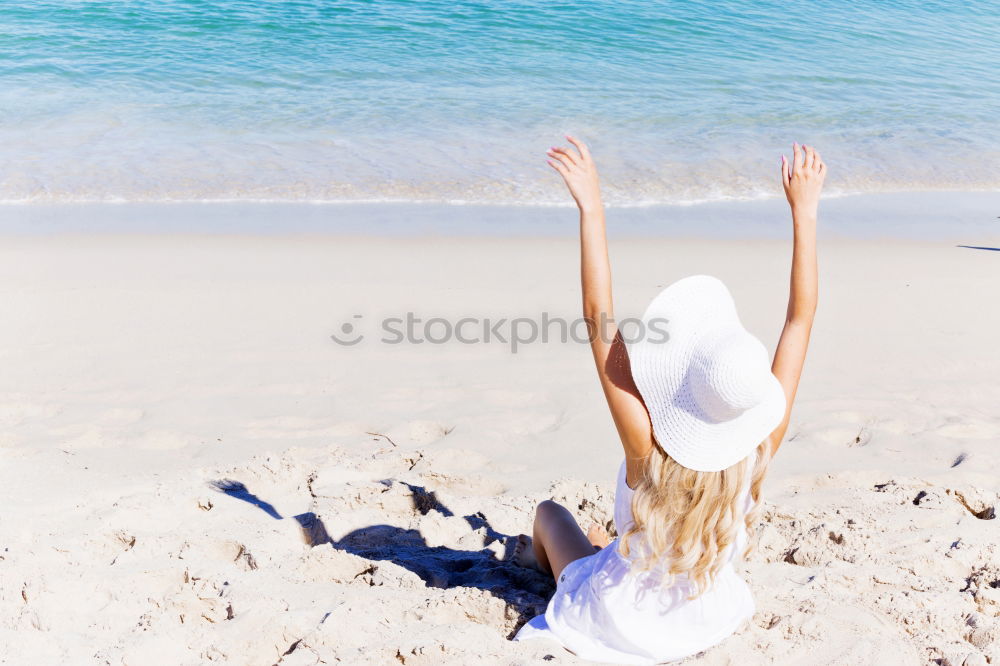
(969, 217)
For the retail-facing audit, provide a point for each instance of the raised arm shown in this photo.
(802, 181)
(610, 354)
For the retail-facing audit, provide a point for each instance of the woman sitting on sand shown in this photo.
(699, 414)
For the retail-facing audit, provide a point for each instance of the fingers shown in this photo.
(569, 158)
(785, 174)
(564, 154)
(580, 145)
(803, 158)
(797, 157)
(563, 158)
(558, 166)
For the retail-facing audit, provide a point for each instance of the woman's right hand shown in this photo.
(579, 172)
(803, 180)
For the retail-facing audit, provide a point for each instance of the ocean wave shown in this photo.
(626, 192)
(683, 102)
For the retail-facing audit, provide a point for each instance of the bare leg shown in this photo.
(558, 540)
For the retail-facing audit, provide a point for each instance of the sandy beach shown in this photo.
(194, 471)
(291, 343)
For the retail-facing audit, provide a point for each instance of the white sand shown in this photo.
(139, 370)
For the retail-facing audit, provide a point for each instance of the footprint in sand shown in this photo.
(864, 434)
(16, 412)
(967, 428)
(412, 433)
(425, 432)
(980, 503)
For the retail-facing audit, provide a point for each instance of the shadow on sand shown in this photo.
(523, 590)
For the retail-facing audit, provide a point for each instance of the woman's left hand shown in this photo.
(579, 172)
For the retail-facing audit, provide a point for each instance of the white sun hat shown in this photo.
(707, 382)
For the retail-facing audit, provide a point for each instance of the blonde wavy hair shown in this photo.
(689, 518)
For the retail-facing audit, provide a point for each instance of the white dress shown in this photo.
(603, 611)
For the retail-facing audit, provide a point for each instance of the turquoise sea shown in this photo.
(456, 101)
